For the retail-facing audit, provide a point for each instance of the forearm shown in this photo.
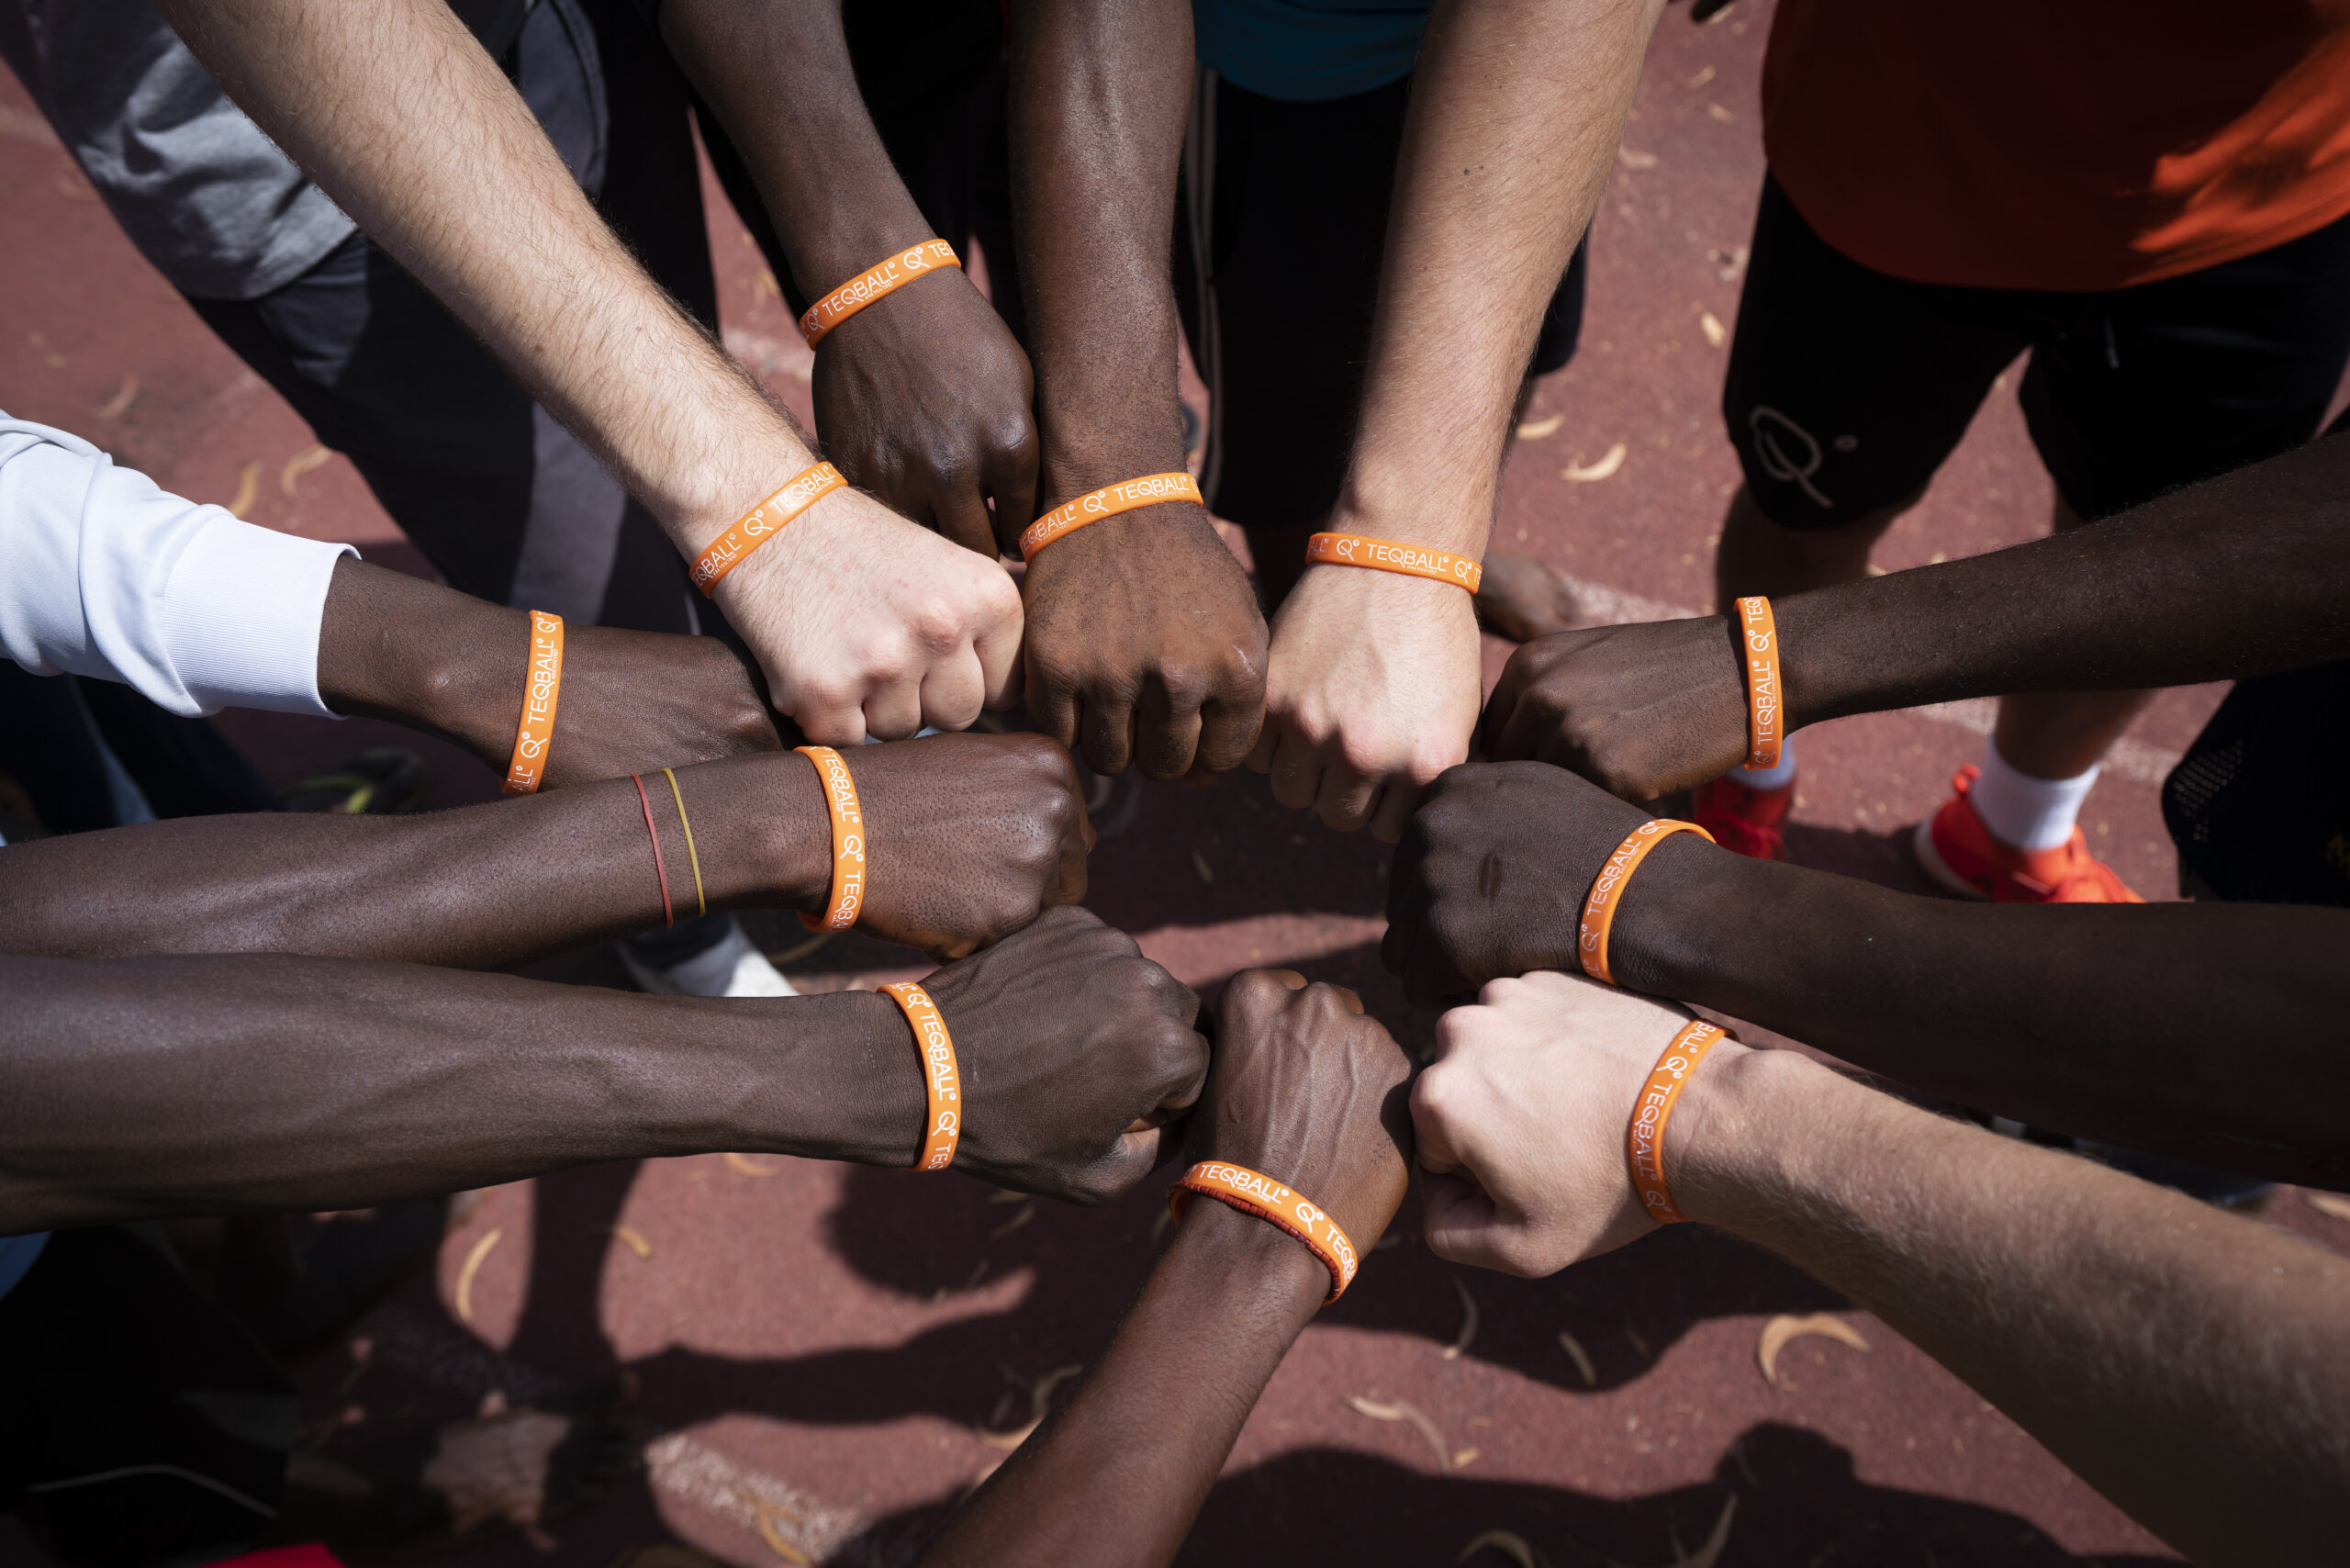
(2190, 1364)
(485, 887)
(1157, 1414)
(2130, 1026)
(1515, 113)
(1100, 94)
(399, 115)
(132, 1088)
(2243, 575)
(837, 203)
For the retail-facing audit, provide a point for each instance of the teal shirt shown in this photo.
(1309, 50)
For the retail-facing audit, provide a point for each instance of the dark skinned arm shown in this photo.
(2206, 1032)
(971, 836)
(2243, 575)
(1305, 1089)
(137, 1087)
(923, 397)
(1145, 645)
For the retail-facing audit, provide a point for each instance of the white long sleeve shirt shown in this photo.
(102, 573)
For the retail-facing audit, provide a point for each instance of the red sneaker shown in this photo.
(1958, 851)
(1743, 819)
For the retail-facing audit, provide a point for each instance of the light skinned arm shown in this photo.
(2190, 1364)
(132, 1088)
(863, 622)
(2242, 575)
(1306, 1090)
(1516, 110)
(1145, 643)
(923, 396)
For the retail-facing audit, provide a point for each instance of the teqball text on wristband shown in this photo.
(763, 523)
(942, 1082)
(1607, 890)
(542, 684)
(1150, 490)
(1757, 637)
(846, 894)
(1253, 1192)
(1644, 1148)
(873, 284)
(1387, 555)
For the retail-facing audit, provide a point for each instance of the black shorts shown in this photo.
(1278, 240)
(1848, 388)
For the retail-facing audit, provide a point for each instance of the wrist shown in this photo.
(1664, 940)
(397, 647)
(1456, 521)
(1742, 1111)
(850, 1086)
(766, 834)
(1248, 1257)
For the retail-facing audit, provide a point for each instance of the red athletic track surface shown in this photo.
(817, 1352)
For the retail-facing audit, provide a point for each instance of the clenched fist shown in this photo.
(1640, 711)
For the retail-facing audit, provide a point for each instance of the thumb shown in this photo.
(1462, 1225)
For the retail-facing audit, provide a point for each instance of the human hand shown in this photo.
(1640, 711)
(1523, 1116)
(634, 701)
(1372, 693)
(968, 837)
(1303, 1088)
(1074, 1050)
(1145, 645)
(867, 623)
(1492, 873)
(922, 397)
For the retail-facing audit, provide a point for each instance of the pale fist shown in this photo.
(1523, 1121)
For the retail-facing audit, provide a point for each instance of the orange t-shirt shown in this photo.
(2078, 145)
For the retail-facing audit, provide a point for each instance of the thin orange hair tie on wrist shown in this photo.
(1108, 501)
(1607, 890)
(1765, 717)
(874, 284)
(542, 684)
(848, 893)
(1645, 1143)
(1253, 1192)
(942, 1084)
(763, 523)
(1386, 556)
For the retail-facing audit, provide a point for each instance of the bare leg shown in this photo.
(1758, 556)
(2060, 734)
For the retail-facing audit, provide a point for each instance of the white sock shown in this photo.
(2024, 813)
(1777, 777)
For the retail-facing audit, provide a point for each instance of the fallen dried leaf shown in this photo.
(747, 1166)
(119, 405)
(1199, 864)
(1700, 79)
(1537, 429)
(1006, 1196)
(1573, 1347)
(1711, 324)
(1787, 1325)
(1040, 1404)
(1468, 1335)
(1403, 1410)
(71, 185)
(1710, 1552)
(311, 456)
(766, 1513)
(1158, 1227)
(633, 1239)
(2329, 1204)
(1393, 1238)
(1631, 160)
(1716, 112)
(799, 950)
(1579, 474)
(1509, 1543)
(1463, 1458)
(248, 490)
(1014, 1223)
(765, 288)
(471, 1267)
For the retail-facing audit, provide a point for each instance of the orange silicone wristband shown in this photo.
(763, 523)
(542, 684)
(1253, 1192)
(873, 284)
(1108, 501)
(943, 1085)
(1607, 890)
(848, 894)
(1386, 556)
(1653, 1109)
(1764, 717)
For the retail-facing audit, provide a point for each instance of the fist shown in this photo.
(1522, 1121)
(1074, 1051)
(637, 701)
(1308, 1091)
(1640, 711)
(1492, 873)
(969, 838)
